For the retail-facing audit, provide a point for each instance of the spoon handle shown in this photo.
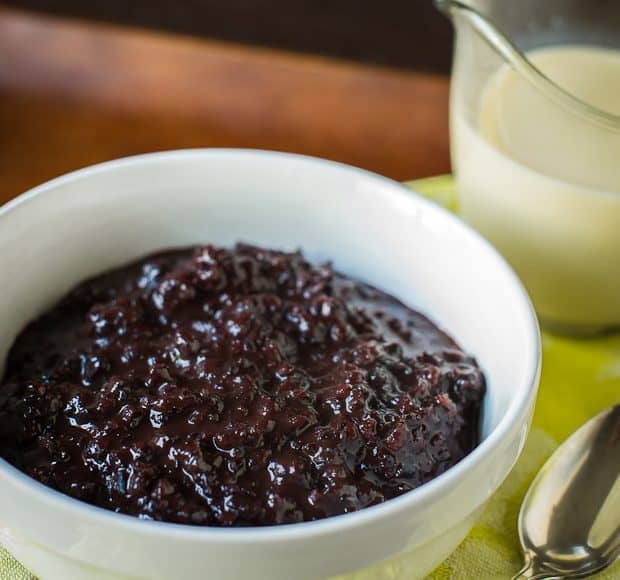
(533, 570)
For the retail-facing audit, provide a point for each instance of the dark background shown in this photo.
(408, 34)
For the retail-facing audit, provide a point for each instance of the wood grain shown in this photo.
(75, 93)
(409, 34)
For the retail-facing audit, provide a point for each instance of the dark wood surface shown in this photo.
(74, 93)
(404, 33)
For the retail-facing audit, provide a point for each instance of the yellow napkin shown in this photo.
(11, 569)
(579, 379)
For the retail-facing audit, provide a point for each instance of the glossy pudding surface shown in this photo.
(235, 387)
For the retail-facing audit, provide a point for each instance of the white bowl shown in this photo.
(372, 228)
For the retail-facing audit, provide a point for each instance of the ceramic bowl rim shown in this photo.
(427, 493)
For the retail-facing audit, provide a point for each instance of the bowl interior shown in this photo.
(369, 227)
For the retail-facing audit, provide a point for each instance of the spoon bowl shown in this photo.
(569, 523)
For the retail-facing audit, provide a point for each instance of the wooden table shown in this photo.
(74, 93)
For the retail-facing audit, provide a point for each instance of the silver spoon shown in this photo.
(569, 524)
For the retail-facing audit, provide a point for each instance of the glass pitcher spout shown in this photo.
(535, 144)
(469, 20)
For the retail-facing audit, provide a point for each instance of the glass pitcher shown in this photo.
(535, 138)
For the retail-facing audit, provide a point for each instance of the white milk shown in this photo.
(544, 186)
